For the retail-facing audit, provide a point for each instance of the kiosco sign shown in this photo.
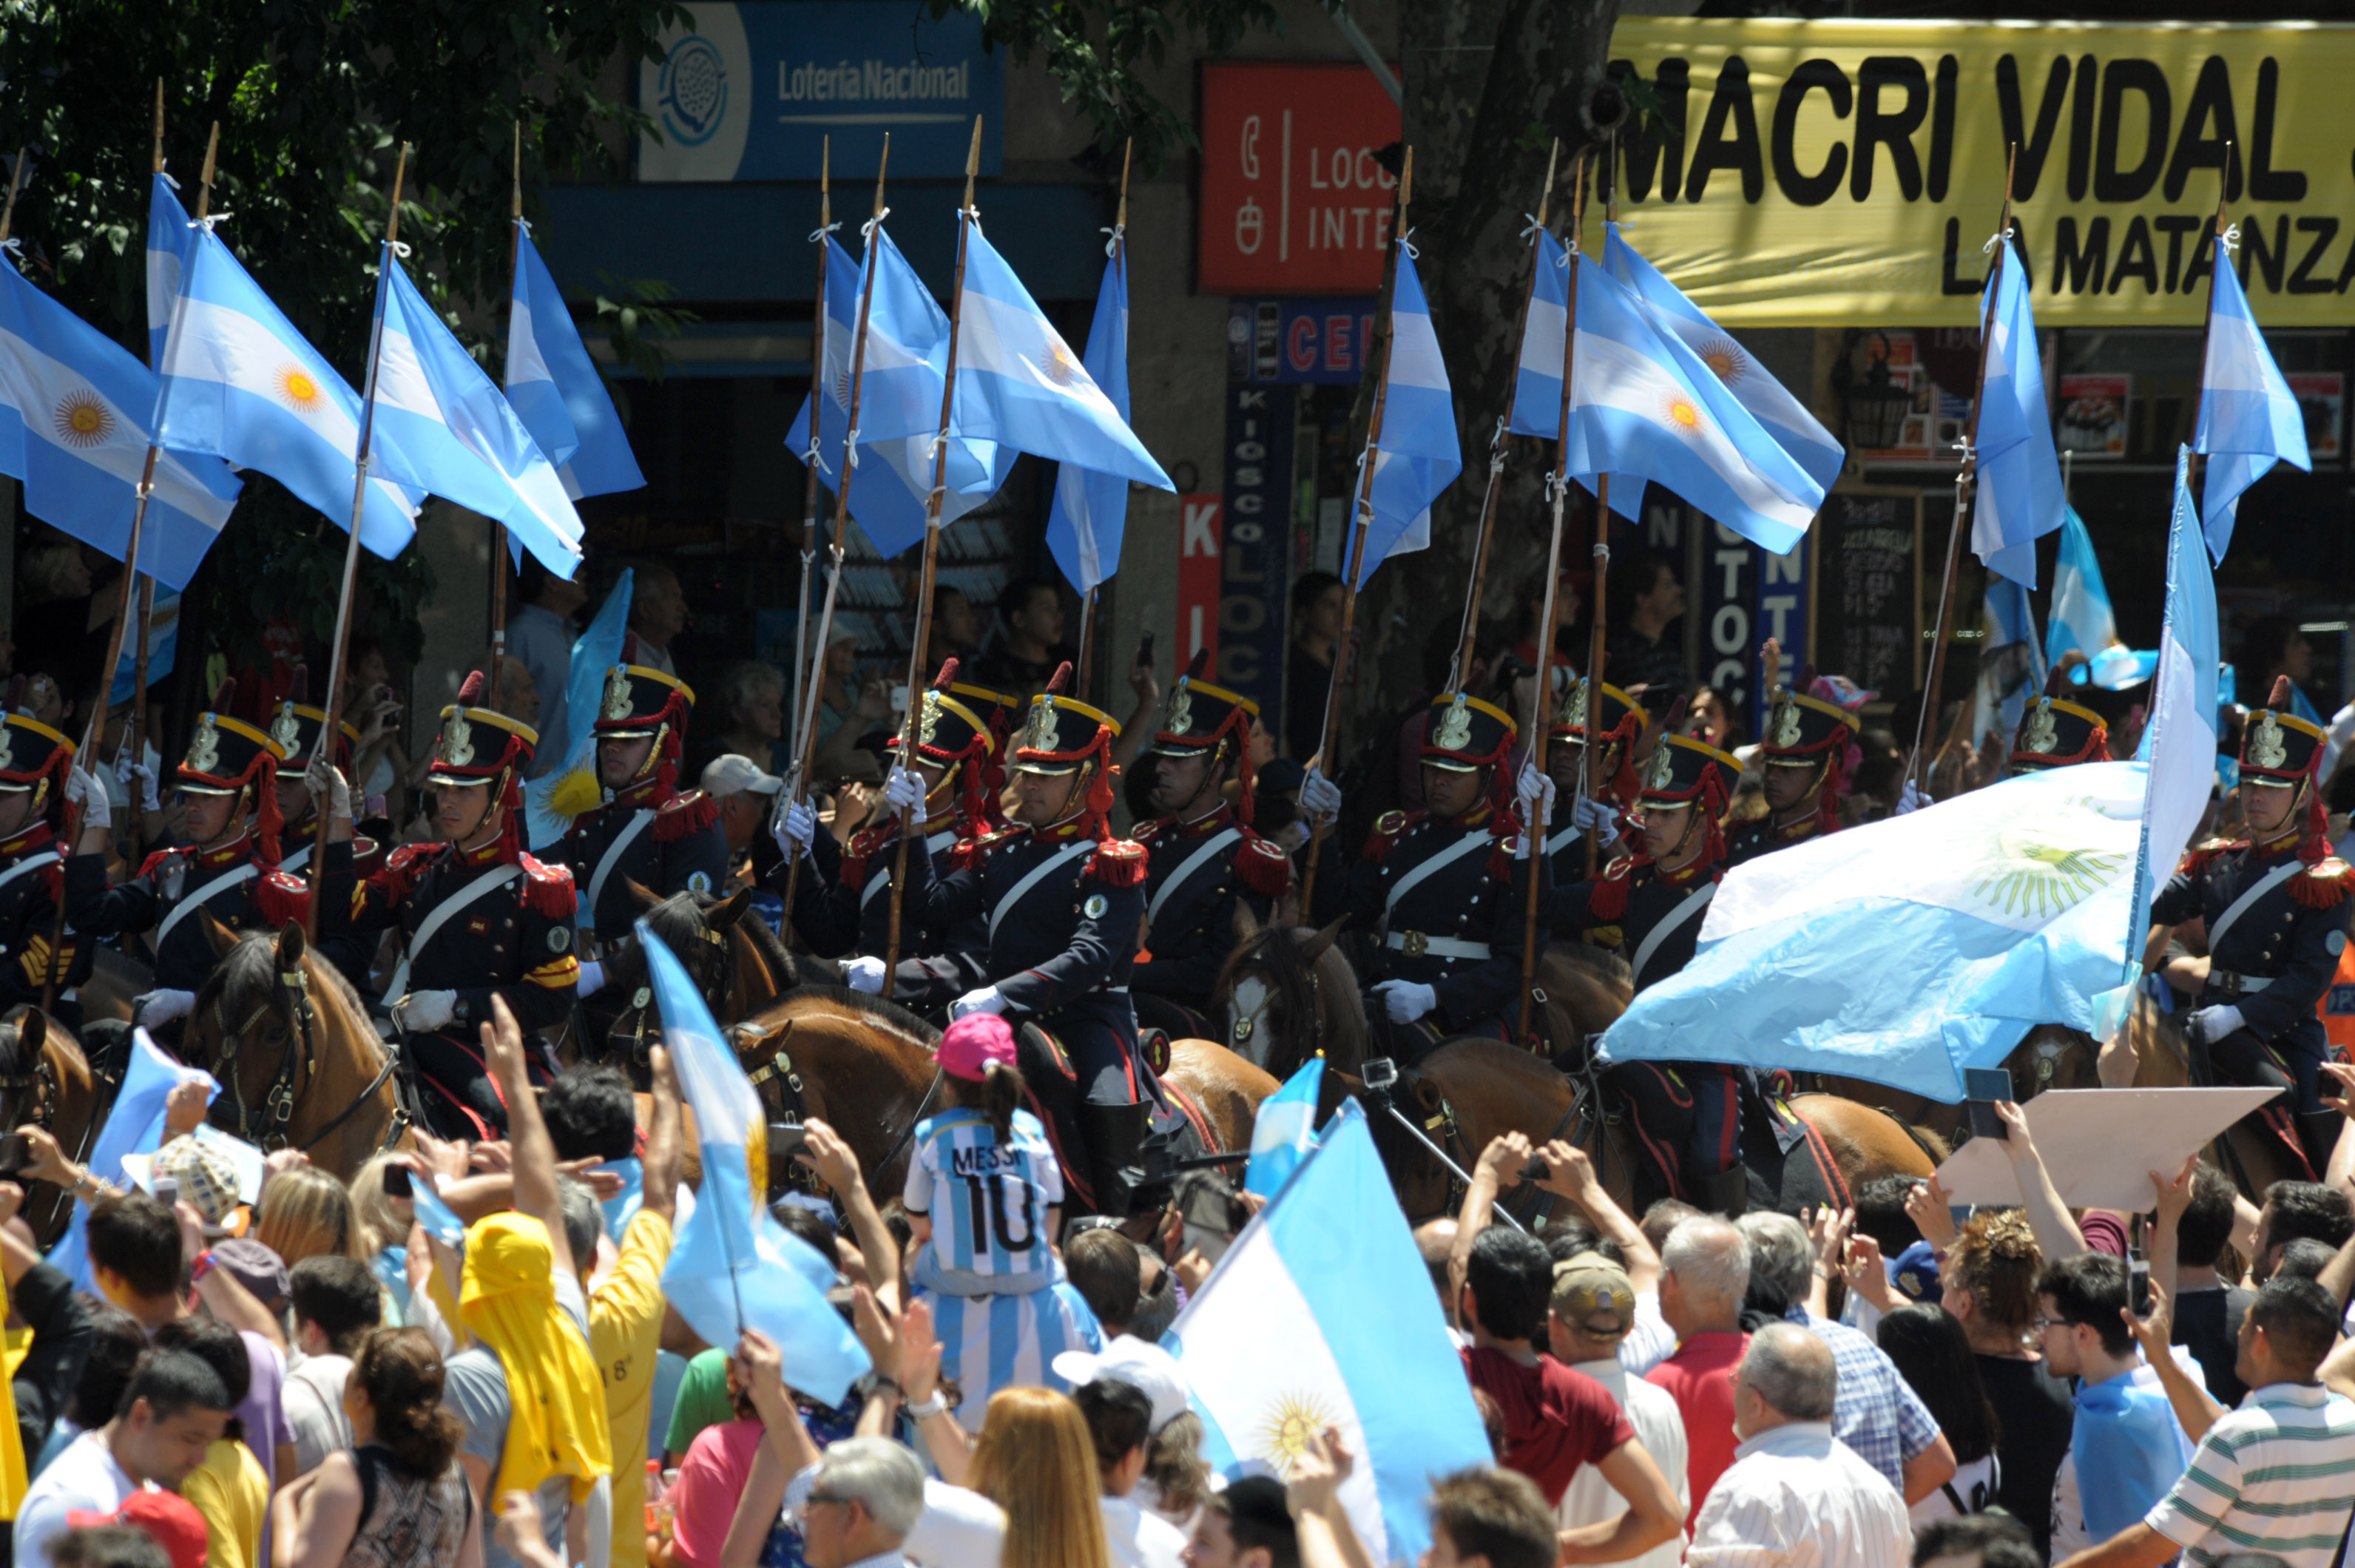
(1823, 173)
(1293, 200)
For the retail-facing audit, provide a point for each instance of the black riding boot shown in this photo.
(2318, 1132)
(1726, 1193)
(1116, 1136)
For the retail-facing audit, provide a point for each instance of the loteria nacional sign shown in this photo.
(1817, 174)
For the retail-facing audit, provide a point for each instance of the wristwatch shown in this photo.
(924, 1409)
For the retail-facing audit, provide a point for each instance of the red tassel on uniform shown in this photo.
(279, 898)
(682, 816)
(1263, 868)
(1119, 863)
(1608, 900)
(549, 889)
(1387, 828)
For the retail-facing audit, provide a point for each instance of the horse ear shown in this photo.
(725, 916)
(647, 898)
(289, 947)
(1246, 924)
(32, 1033)
(1426, 1092)
(219, 936)
(1322, 942)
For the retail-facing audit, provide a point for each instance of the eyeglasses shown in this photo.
(2040, 1323)
(826, 1497)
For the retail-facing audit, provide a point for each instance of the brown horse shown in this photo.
(45, 1082)
(299, 1064)
(739, 965)
(1469, 1092)
(2253, 1155)
(2053, 1056)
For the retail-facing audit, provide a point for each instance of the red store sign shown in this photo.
(1292, 200)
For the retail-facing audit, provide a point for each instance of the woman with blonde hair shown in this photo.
(306, 1212)
(384, 1223)
(1035, 1460)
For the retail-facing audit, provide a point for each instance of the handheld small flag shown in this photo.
(1419, 453)
(1091, 510)
(2249, 419)
(1285, 1130)
(555, 387)
(2019, 498)
(552, 800)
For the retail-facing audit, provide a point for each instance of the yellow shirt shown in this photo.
(233, 1494)
(625, 1317)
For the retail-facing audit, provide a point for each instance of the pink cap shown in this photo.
(973, 1042)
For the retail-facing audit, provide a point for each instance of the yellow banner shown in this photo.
(1835, 173)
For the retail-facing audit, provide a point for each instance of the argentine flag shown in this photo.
(74, 427)
(241, 383)
(555, 388)
(733, 1267)
(1811, 446)
(170, 238)
(2081, 619)
(552, 800)
(136, 1125)
(2011, 911)
(1420, 453)
(1091, 510)
(2248, 418)
(443, 426)
(1285, 1130)
(1322, 1315)
(899, 402)
(2019, 498)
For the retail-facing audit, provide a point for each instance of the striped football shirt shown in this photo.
(2277, 1475)
(989, 1204)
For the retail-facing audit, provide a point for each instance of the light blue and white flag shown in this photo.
(733, 1267)
(2011, 666)
(555, 387)
(1090, 510)
(75, 413)
(2249, 419)
(552, 800)
(1420, 453)
(2019, 498)
(1322, 1315)
(1787, 418)
(2080, 618)
(163, 637)
(1018, 384)
(1645, 407)
(442, 425)
(170, 237)
(241, 383)
(1285, 1130)
(2012, 911)
(134, 1125)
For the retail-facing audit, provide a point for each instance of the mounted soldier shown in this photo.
(295, 729)
(483, 918)
(1442, 889)
(1611, 779)
(1059, 902)
(1805, 753)
(1649, 906)
(2274, 907)
(1204, 859)
(36, 762)
(228, 868)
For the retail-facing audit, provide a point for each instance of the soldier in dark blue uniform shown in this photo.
(1805, 753)
(1060, 903)
(1204, 857)
(229, 868)
(842, 901)
(1612, 788)
(34, 764)
(295, 729)
(1649, 906)
(481, 918)
(647, 832)
(2274, 906)
(1443, 891)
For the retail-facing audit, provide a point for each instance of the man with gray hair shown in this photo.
(1878, 1415)
(857, 1503)
(1795, 1493)
(1704, 1271)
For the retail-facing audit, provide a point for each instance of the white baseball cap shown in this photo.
(732, 774)
(1131, 1360)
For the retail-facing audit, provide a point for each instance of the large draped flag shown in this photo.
(571, 786)
(1322, 1315)
(1091, 510)
(75, 413)
(2248, 418)
(1645, 407)
(555, 387)
(2011, 911)
(1811, 446)
(899, 401)
(133, 1125)
(442, 425)
(1420, 453)
(733, 1267)
(2080, 619)
(2019, 498)
(241, 383)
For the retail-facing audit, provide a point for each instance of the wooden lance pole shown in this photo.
(811, 495)
(498, 528)
(1088, 600)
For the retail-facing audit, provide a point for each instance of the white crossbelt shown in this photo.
(613, 858)
(935, 843)
(1443, 946)
(195, 901)
(438, 916)
(1563, 840)
(1187, 867)
(2241, 906)
(28, 865)
(1477, 839)
(1679, 917)
(1039, 873)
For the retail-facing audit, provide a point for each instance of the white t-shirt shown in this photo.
(958, 1529)
(1974, 1483)
(1138, 1538)
(312, 1398)
(84, 1477)
(1661, 1428)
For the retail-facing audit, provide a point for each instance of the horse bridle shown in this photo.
(1241, 1030)
(42, 1081)
(711, 987)
(1585, 1108)
(780, 1070)
(268, 1129)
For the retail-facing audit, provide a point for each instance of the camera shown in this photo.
(1381, 1074)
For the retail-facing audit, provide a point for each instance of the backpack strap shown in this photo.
(365, 1459)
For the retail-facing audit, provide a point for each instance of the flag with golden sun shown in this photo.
(74, 410)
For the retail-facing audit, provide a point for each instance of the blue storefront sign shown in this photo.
(1295, 340)
(753, 90)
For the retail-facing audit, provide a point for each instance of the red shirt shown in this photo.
(1555, 1420)
(1701, 1377)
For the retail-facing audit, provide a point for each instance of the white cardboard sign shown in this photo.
(2101, 1145)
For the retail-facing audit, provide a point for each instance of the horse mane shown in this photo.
(683, 919)
(13, 1063)
(843, 999)
(251, 966)
(1607, 966)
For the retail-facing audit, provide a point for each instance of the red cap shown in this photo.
(170, 1520)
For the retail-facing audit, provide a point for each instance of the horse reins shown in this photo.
(269, 1129)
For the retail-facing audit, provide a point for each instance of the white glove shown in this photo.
(422, 1012)
(1592, 815)
(985, 1000)
(126, 770)
(161, 1007)
(593, 979)
(325, 781)
(903, 791)
(1320, 798)
(867, 974)
(83, 789)
(1911, 799)
(796, 827)
(1405, 1000)
(2209, 1025)
(1532, 786)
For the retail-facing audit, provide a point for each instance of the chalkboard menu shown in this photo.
(1868, 588)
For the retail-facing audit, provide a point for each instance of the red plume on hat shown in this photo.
(470, 691)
